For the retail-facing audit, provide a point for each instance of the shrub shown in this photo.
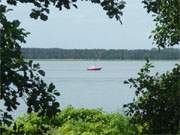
(73, 121)
(157, 101)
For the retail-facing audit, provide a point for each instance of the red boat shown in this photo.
(94, 68)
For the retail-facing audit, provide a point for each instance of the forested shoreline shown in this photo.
(103, 54)
(155, 107)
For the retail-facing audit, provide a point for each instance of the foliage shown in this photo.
(20, 78)
(167, 18)
(112, 54)
(24, 79)
(41, 8)
(75, 122)
(156, 106)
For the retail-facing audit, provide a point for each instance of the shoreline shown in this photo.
(103, 60)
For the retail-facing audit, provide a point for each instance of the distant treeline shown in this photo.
(111, 54)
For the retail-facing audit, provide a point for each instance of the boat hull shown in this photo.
(94, 69)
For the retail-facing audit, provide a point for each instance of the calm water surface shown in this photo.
(95, 89)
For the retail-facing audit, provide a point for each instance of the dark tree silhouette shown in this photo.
(23, 79)
(156, 107)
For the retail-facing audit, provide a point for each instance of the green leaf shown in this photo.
(41, 72)
(75, 5)
(57, 93)
(43, 17)
(51, 87)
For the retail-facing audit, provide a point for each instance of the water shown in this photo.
(95, 89)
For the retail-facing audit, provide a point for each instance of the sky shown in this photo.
(88, 27)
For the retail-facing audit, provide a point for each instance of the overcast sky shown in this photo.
(88, 27)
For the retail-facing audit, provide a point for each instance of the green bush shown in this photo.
(73, 122)
(156, 107)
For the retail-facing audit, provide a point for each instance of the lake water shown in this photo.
(95, 89)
